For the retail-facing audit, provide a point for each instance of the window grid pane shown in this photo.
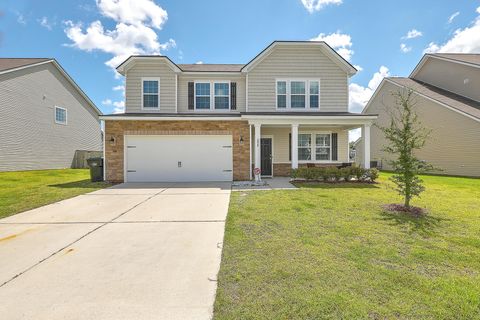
(202, 89)
(297, 101)
(304, 153)
(313, 101)
(221, 102)
(203, 102)
(314, 87)
(150, 86)
(322, 153)
(297, 87)
(221, 89)
(282, 101)
(281, 87)
(60, 115)
(150, 101)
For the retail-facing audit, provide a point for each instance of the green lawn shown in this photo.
(24, 190)
(330, 252)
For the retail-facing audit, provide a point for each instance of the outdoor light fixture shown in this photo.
(241, 139)
(112, 140)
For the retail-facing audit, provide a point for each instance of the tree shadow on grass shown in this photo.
(82, 184)
(335, 185)
(424, 225)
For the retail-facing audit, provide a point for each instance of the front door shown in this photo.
(266, 156)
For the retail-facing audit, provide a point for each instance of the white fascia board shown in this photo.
(27, 66)
(330, 120)
(131, 60)
(160, 118)
(428, 56)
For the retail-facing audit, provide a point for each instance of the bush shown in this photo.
(334, 174)
(372, 174)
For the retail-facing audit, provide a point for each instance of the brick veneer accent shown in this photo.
(117, 129)
(282, 169)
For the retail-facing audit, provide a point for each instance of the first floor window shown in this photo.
(202, 95)
(60, 115)
(304, 146)
(322, 146)
(150, 94)
(222, 95)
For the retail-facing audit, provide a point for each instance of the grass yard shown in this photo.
(24, 190)
(330, 252)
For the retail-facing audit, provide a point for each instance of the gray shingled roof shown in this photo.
(12, 63)
(473, 58)
(468, 106)
(203, 67)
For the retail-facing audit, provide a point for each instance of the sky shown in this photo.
(91, 37)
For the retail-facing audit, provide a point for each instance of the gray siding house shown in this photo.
(447, 95)
(44, 116)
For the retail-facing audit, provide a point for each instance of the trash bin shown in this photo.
(96, 169)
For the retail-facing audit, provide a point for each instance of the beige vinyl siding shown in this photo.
(184, 79)
(281, 141)
(30, 138)
(133, 85)
(454, 144)
(297, 62)
(451, 76)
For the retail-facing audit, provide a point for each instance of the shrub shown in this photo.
(346, 173)
(372, 174)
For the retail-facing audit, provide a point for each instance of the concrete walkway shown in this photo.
(134, 251)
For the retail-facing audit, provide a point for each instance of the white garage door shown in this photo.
(178, 158)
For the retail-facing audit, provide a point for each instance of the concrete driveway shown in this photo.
(134, 251)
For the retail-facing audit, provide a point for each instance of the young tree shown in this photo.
(404, 135)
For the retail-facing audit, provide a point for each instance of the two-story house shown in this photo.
(287, 107)
(446, 91)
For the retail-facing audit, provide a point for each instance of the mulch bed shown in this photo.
(400, 208)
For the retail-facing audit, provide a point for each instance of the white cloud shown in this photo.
(45, 23)
(107, 102)
(317, 5)
(404, 48)
(199, 62)
(341, 42)
(20, 18)
(119, 106)
(465, 40)
(133, 32)
(119, 88)
(453, 16)
(135, 12)
(414, 33)
(359, 95)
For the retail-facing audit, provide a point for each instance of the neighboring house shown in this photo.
(287, 107)
(44, 116)
(447, 96)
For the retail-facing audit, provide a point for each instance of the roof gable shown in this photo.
(468, 59)
(329, 52)
(8, 65)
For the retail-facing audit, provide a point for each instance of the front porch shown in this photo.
(281, 143)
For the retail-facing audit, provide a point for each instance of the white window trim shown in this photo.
(307, 94)
(314, 147)
(158, 94)
(55, 115)
(212, 95)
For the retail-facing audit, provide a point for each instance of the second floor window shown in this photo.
(60, 115)
(212, 95)
(150, 93)
(298, 94)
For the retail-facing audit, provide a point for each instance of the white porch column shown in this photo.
(366, 146)
(257, 145)
(294, 146)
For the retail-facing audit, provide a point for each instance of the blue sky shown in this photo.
(90, 37)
